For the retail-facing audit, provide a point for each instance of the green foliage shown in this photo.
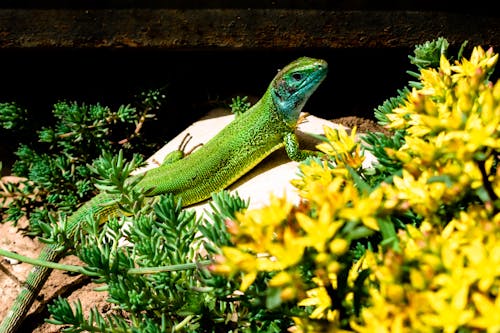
(75, 321)
(13, 116)
(384, 167)
(174, 291)
(152, 264)
(55, 167)
(388, 105)
(428, 54)
(222, 209)
(239, 105)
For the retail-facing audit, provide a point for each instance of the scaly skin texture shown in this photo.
(241, 145)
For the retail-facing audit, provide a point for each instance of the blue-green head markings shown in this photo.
(293, 85)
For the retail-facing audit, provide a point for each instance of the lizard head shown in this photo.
(293, 85)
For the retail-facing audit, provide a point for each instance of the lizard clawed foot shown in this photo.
(184, 143)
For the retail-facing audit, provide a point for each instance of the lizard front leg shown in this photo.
(293, 150)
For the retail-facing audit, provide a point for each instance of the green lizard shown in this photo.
(267, 126)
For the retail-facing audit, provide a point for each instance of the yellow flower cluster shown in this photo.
(445, 274)
(443, 280)
(265, 243)
(452, 142)
(440, 281)
(280, 237)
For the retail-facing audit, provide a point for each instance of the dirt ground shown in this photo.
(63, 284)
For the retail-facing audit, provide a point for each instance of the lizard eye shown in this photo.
(297, 76)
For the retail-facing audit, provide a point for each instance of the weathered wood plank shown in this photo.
(183, 29)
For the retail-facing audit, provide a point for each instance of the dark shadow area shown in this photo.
(358, 79)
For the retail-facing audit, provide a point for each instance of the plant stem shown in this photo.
(169, 268)
(38, 262)
(82, 270)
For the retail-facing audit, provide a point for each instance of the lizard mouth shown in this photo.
(295, 85)
(314, 79)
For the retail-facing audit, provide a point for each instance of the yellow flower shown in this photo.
(344, 148)
(233, 261)
(449, 315)
(399, 118)
(318, 181)
(488, 318)
(318, 297)
(250, 265)
(381, 317)
(364, 208)
(257, 227)
(280, 279)
(453, 278)
(480, 60)
(444, 65)
(247, 280)
(417, 193)
(338, 246)
(319, 231)
(289, 250)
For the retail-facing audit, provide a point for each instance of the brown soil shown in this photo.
(63, 284)
(59, 283)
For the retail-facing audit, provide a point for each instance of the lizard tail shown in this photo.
(31, 288)
(101, 207)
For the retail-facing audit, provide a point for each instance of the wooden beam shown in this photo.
(221, 29)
